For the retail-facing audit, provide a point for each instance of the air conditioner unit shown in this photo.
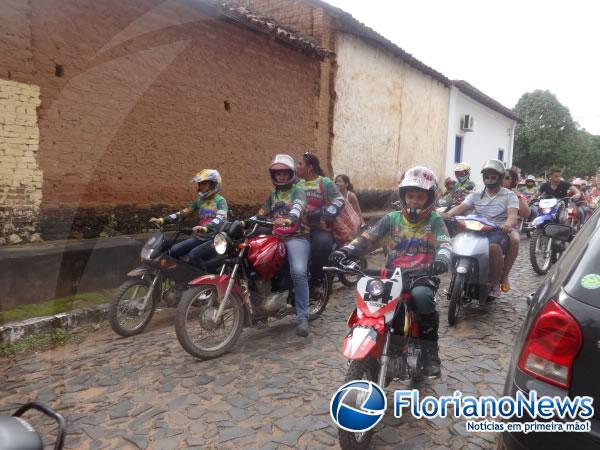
(467, 123)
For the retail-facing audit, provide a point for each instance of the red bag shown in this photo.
(346, 225)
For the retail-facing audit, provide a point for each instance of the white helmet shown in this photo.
(282, 161)
(418, 178)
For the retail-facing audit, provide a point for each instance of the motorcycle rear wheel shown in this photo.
(359, 369)
(195, 308)
(455, 299)
(122, 308)
(536, 246)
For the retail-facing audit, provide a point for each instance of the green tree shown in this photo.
(550, 138)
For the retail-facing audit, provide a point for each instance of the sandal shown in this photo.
(505, 287)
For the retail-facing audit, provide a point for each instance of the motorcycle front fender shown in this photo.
(361, 342)
(540, 220)
(139, 272)
(220, 282)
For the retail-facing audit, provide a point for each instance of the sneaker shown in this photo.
(302, 328)
(495, 293)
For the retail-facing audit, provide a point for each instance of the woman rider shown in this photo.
(211, 208)
(286, 205)
(323, 203)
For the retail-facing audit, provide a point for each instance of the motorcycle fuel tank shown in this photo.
(266, 254)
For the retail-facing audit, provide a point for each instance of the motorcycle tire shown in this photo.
(316, 307)
(455, 298)
(540, 269)
(351, 280)
(359, 369)
(115, 308)
(192, 298)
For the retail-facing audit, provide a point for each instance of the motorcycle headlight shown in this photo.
(220, 243)
(376, 288)
(147, 254)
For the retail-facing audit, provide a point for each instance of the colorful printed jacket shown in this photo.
(323, 200)
(211, 211)
(287, 204)
(461, 190)
(408, 244)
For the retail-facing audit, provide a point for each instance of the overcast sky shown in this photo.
(504, 48)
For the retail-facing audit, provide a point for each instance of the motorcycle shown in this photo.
(257, 286)
(470, 262)
(18, 434)
(160, 277)
(544, 250)
(383, 342)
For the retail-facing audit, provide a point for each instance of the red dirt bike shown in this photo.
(383, 342)
(254, 284)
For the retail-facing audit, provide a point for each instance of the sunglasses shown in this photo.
(508, 177)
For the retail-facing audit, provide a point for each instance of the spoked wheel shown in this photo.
(362, 369)
(197, 330)
(132, 308)
(540, 252)
(455, 299)
(351, 280)
(317, 305)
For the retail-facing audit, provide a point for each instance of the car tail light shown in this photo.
(551, 346)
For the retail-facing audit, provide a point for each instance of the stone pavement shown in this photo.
(273, 391)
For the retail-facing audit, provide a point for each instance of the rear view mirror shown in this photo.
(558, 231)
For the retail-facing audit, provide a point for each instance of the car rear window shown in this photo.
(584, 283)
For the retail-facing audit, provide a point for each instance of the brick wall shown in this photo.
(20, 176)
(137, 96)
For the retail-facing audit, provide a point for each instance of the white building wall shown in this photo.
(493, 131)
(388, 116)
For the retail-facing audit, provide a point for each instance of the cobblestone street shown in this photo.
(273, 391)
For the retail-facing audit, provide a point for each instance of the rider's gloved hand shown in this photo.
(337, 256)
(200, 229)
(440, 265)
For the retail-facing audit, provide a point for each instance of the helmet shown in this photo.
(530, 178)
(578, 182)
(282, 161)
(462, 167)
(495, 166)
(208, 175)
(418, 178)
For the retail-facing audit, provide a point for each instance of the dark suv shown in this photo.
(557, 351)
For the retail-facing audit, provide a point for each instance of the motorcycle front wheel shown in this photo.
(129, 311)
(455, 299)
(359, 369)
(540, 252)
(351, 280)
(196, 329)
(316, 306)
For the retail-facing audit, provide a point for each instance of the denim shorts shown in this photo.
(499, 237)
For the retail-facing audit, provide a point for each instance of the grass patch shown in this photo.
(55, 306)
(41, 341)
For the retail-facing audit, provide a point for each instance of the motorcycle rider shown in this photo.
(501, 206)
(211, 208)
(510, 181)
(415, 236)
(323, 202)
(580, 199)
(287, 206)
(529, 188)
(463, 186)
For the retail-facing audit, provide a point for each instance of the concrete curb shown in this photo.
(14, 331)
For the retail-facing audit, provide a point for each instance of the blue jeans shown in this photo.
(197, 250)
(298, 250)
(321, 244)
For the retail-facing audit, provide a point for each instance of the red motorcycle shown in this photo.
(253, 285)
(383, 342)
